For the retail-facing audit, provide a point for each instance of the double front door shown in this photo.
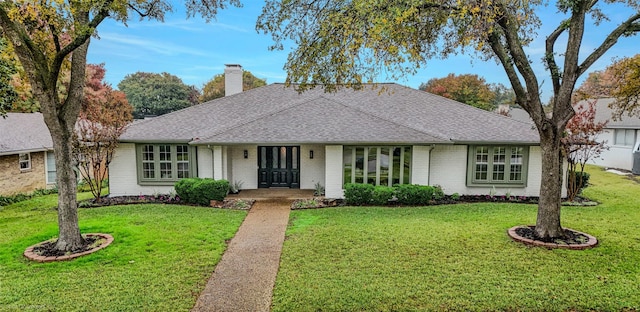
(279, 166)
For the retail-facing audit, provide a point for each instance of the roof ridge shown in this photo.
(254, 119)
(382, 118)
(439, 136)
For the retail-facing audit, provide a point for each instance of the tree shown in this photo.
(580, 144)
(626, 77)
(8, 94)
(467, 88)
(45, 34)
(214, 88)
(153, 94)
(104, 115)
(599, 84)
(345, 43)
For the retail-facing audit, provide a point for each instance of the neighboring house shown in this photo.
(516, 113)
(274, 136)
(26, 154)
(621, 137)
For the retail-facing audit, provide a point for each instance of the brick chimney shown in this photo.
(232, 79)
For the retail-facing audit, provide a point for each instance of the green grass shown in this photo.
(160, 260)
(458, 257)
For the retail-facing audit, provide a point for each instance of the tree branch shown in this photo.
(630, 25)
(550, 55)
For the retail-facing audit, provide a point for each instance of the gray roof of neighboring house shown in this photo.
(389, 113)
(24, 132)
(604, 112)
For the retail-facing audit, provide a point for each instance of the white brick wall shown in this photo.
(312, 170)
(620, 157)
(123, 179)
(245, 170)
(449, 170)
(205, 162)
(420, 165)
(333, 171)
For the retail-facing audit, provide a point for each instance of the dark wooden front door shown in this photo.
(279, 166)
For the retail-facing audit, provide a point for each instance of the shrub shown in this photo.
(582, 178)
(184, 189)
(381, 195)
(438, 192)
(413, 194)
(455, 196)
(201, 191)
(358, 194)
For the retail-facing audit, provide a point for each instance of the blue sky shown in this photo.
(195, 50)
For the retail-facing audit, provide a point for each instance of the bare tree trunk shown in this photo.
(548, 221)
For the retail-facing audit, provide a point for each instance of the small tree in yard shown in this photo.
(103, 118)
(580, 144)
(48, 36)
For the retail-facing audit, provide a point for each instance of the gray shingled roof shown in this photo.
(24, 133)
(603, 113)
(278, 114)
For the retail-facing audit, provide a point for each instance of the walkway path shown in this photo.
(243, 279)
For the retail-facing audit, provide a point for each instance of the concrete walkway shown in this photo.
(243, 279)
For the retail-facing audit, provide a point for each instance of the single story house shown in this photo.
(621, 137)
(26, 154)
(383, 134)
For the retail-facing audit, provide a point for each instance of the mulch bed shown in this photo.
(572, 240)
(47, 249)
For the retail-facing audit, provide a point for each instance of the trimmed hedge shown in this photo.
(405, 194)
(358, 194)
(201, 191)
(413, 194)
(382, 195)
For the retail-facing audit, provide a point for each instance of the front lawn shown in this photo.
(459, 257)
(160, 259)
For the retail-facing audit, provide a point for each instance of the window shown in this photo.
(51, 168)
(377, 165)
(25, 161)
(624, 137)
(497, 165)
(165, 163)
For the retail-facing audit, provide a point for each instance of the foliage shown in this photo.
(215, 88)
(442, 258)
(153, 94)
(104, 115)
(346, 43)
(358, 194)
(8, 94)
(580, 144)
(318, 189)
(413, 194)
(235, 187)
(626, 77)
(12, 199)
(201, 191)
(161, 256)
(599, 84)
(467, 88)
(438, 192)
(580, 181)
(381, 195)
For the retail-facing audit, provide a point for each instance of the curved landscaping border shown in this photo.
(592, 242)
(29, 254)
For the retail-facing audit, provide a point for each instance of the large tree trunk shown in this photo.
(548, 222)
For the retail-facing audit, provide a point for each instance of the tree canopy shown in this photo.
(8, 94)
(466, 88)
(214, 88)
(152, 94)
(346, 43)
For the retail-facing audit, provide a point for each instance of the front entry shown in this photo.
(279, 166)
